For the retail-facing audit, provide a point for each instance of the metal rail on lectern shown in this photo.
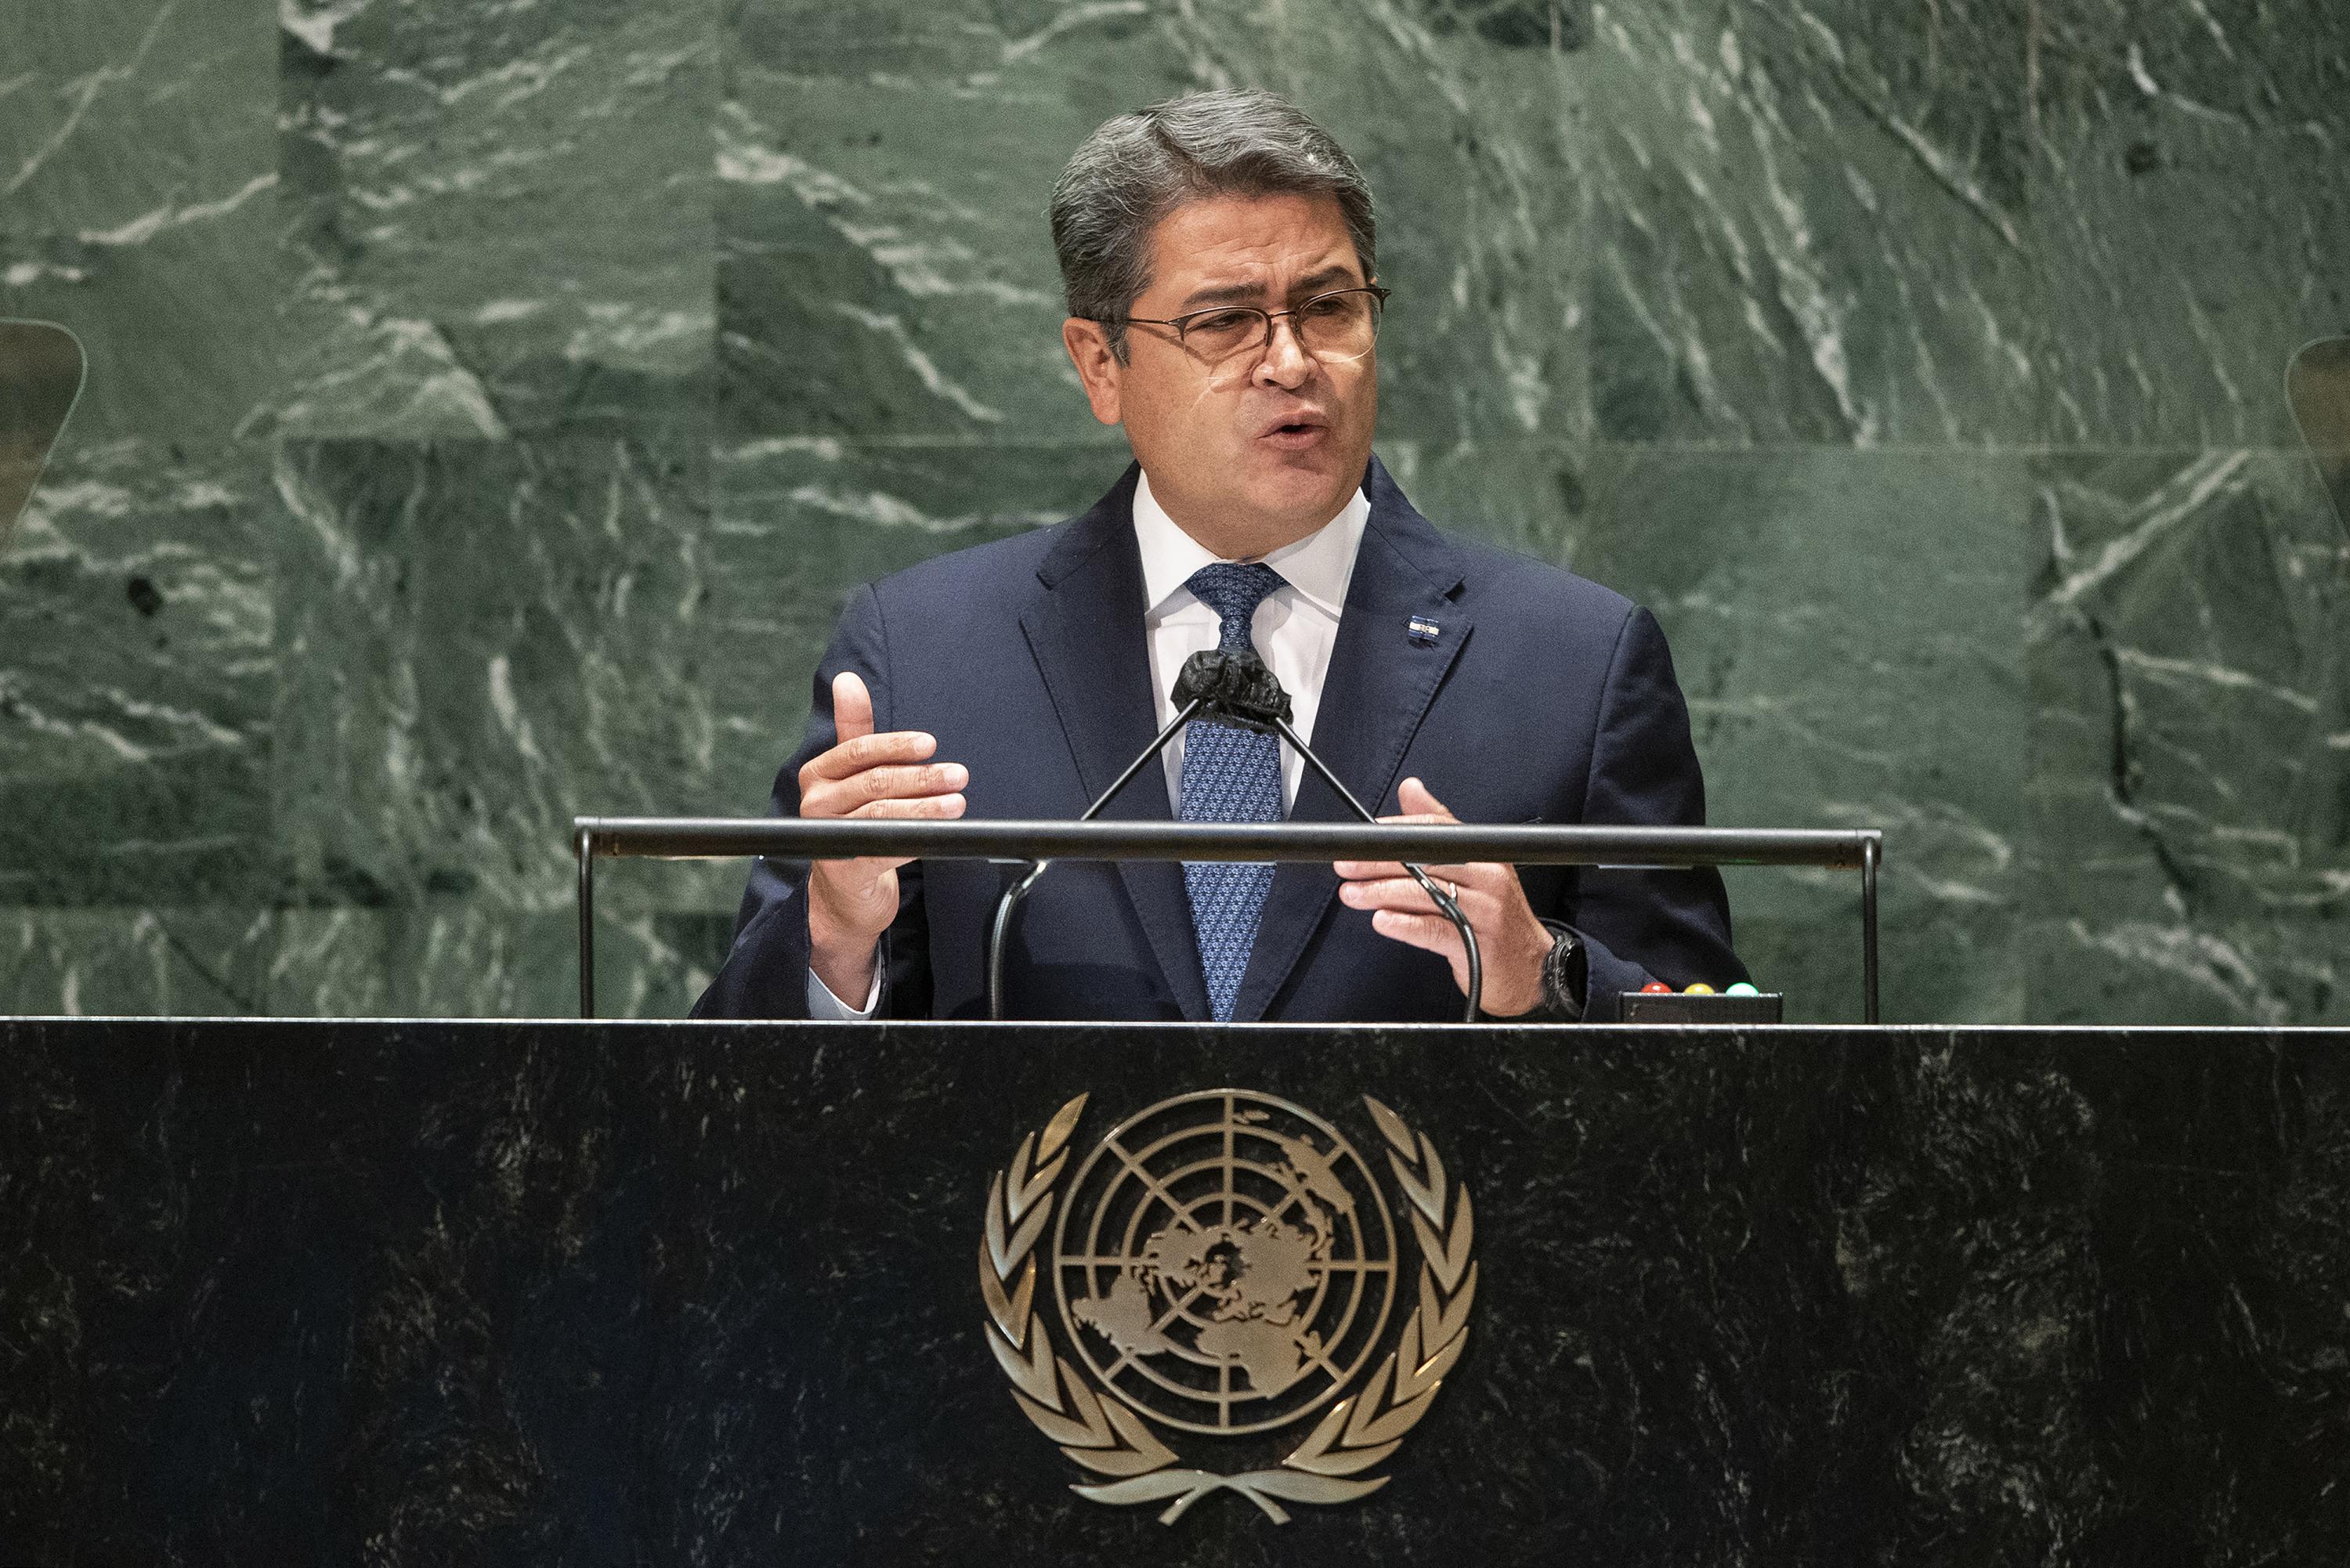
(1626, 848)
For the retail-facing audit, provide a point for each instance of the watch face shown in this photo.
(1564, 976)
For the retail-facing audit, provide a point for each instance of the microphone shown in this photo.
(1198, 681)
(1237, 689)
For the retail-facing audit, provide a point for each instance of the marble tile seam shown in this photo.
(1989, 449)
(753, 446)
(757, 447)
(779, 443)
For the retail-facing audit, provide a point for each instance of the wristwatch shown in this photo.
(1565, 975)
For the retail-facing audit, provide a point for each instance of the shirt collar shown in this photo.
(1317, 565)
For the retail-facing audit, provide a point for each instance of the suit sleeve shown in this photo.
(766, 974)
(1639, 926)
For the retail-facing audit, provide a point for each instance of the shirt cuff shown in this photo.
(827, 1008)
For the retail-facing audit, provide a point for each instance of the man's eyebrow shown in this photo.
(1336, 275)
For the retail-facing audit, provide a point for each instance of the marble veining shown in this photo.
(135, 691)
(432, 1293)
(500, 217)
(138, 200)
(2186, 756)
(490, 406)
(1748, 289)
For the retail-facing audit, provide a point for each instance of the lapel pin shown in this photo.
(1423, 630)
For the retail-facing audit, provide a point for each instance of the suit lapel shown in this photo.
(1086, 631)
(1381, 680)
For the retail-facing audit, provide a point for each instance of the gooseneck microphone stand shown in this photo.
(1009, 900)
(1235, 689)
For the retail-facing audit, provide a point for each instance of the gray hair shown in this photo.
(1137, 168)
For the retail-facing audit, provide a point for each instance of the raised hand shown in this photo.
(851, 902)
(1510, 941)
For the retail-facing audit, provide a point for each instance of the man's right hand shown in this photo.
(851, 902)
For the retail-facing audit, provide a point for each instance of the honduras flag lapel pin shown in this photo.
(1423, 631)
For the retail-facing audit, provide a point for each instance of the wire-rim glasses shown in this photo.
(1336, 325)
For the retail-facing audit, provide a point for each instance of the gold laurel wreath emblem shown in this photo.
(1101, 1434)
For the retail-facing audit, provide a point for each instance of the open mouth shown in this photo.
(1294, 433)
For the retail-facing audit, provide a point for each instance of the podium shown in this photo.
(597, 1292)
(1037, 845)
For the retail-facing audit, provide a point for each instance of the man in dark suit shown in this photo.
(1218, 252)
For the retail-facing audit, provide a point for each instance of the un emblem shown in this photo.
(1226, 1264)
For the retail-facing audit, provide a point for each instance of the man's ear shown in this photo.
(1088, 345)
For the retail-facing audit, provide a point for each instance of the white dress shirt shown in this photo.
(1295, 630)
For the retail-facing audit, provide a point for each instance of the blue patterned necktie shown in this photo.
(1229, 775)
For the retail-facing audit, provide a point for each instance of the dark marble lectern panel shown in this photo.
(443, 1293)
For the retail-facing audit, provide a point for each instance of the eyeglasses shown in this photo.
(1333, 327)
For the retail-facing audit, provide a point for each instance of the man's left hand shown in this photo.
(1510, 941)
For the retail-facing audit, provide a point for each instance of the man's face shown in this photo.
(1251, 452)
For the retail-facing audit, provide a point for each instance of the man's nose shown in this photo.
(1285, 362)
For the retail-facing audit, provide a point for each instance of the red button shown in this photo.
(1654, 985)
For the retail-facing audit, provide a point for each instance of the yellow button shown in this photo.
(1699, 989)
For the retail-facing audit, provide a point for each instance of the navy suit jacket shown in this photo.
(1542, 698)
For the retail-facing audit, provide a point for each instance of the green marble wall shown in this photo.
(491, 404)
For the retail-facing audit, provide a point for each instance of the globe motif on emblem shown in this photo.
(1225, 1262)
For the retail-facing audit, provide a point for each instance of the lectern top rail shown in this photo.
(1531, 844)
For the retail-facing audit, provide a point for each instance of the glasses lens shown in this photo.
(1219, 333)
(1339, 326)
(1331, 327)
